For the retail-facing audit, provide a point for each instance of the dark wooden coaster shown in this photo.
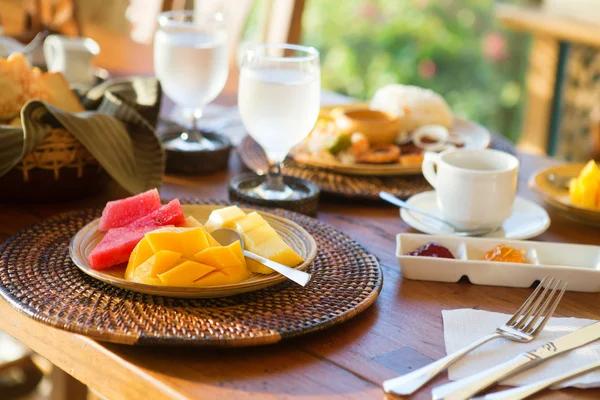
(38, 278)
(197, 162)
(308, 204)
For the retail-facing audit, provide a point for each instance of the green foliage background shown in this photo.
(454, 47)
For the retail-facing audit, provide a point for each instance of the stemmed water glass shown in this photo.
(279, 101)
(190, 60)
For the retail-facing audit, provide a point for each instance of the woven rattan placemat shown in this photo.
(38, 278)
(350, 186)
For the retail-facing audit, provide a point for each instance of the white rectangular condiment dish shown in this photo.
(575, 263)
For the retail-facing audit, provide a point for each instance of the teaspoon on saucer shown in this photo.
(390, 198)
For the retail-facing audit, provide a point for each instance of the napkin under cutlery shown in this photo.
(462, 327)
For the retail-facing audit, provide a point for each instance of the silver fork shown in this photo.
(522, 327)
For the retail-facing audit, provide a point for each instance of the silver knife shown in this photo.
(466, 388)
(522, 392)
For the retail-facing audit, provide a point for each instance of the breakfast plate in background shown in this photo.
(388, 136)
(552, 186)
(527, 220)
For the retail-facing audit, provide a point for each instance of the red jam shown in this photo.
(432, 250)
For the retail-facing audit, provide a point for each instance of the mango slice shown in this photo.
(159, 263)
(584, 191)
(226, 276)
(185, 273)
(260, 238)
(187, 241)
(224, 218)
(191, 222)
(255, 266)
(222, 257)
(140, 253)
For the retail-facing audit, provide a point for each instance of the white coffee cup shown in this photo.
(71, 56)
(475, 188)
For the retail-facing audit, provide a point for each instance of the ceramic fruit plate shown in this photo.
(557, 196)
(577, 264)
(474, 135)
(301, 241)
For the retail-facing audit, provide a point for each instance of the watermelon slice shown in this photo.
(119, 213)
(116, 246)
(169, 214)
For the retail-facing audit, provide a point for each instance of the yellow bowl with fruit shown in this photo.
(573, 189)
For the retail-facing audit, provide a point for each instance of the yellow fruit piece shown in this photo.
(590, 173)
(191, 222)
(224, 218)
(249, 223)
(255, 266)
(277, 250)
(262, 239)
(226, 276)
(584, 191)
(140, 254)
(222, 257)
(575, 194)
(187, 241)
(159, 263)
(185, 273)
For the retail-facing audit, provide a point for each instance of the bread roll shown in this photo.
(419, 106)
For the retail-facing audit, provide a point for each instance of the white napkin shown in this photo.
(462, 327)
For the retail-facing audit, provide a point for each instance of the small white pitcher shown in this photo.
(73, 57)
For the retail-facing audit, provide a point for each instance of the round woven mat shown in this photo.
(351, 186)
(38, 278)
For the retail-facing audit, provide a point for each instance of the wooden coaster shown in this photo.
(197, 162)
(308, 204)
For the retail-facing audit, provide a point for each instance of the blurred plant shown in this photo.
(451, 46)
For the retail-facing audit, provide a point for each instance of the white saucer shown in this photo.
(527, 220)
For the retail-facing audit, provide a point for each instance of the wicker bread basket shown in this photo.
(58, 169)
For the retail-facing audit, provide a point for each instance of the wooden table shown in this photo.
(400, 332)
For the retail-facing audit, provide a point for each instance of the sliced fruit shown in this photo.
(262, 239)
(185, 273)
(227, 276)
(222, 256)
(590, 173)
(255, 266)
(169, 214)
(215, 278)
(249, 223)
(224, 218)
(140, 253)
(277, 250)
(116, 246)
(119, 213)
(187, 241)
(161, 262)
(190, 222)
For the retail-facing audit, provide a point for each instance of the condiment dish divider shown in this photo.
(578, 264)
